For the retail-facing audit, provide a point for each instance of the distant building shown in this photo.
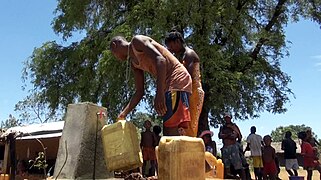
(29, 141)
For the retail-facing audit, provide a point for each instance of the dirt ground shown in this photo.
(284, 175)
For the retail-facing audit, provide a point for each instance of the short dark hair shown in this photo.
(116, 39)
(253, 129)
(157, 129)
(288, 134)
(267, 137)
(173, 35)
(302, 135)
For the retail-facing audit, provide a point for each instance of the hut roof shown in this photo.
(33, 131)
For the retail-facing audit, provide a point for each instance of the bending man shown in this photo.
(173, 82)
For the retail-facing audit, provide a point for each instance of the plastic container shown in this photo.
(4, 177)
(121, 146)
(214, 168)
(219, 169)
(181, 158)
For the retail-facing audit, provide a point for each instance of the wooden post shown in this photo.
(12, 144)
(6, 158)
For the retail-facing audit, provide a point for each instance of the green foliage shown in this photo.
(278, 134)
(33, 109)
(139, 118)
(10, 122)
(240, 44)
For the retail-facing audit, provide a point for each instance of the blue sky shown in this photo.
(27, 24)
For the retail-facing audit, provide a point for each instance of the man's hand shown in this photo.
(159, 103)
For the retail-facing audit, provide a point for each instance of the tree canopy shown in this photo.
(279, 133)
(240, 44)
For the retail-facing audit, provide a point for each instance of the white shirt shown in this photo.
(255, 144)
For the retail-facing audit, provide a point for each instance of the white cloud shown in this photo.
(318, 64)
(316, 57)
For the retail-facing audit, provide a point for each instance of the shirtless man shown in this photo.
(230, 134)
(176, 44)
(173, 82)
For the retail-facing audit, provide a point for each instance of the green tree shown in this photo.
(139, 118)
(240, 44)
(278, 134)
(10, 122)
(33, 110)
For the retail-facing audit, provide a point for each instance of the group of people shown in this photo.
(265, 161)
(150, 139)
(179, 100)
(179, 94)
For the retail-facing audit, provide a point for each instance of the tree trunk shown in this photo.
(203, 120)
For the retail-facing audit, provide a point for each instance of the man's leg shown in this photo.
(226, 161)
(144, 168)
(295, 172)
(237, 160)
(289, 172)
(258, 173)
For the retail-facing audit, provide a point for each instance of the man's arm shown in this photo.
(144, 45)
(237, 130)
(221, 135)
(139, 84)
(190, 58)
(247, 147)
(282, 145)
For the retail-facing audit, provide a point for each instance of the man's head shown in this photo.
(253, 130)
(227, 117)
(309, 132)
(288, 134)
(174, 41)
(118, 47)
(147, 124)
(302, 135)
(206, 136)
(267, 140)
(157, 129)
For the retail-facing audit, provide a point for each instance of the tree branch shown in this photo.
(278, 11)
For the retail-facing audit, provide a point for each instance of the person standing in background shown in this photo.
(210, 145)
(269, 155)
(255, 145)
(231, 155)
(291, 161)
(147, 144)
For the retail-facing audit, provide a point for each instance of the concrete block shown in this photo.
(76, 158)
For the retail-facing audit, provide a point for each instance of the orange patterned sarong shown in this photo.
(195, 102)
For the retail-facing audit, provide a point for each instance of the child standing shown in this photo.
(269, 166)
(310, 160)
(157, 130)
(210, 146)
(147, 144)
